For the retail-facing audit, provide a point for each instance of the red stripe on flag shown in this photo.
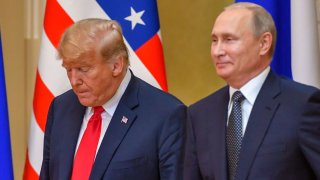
(151, 55)
(41, 102)
(56, 20)
(29, 172)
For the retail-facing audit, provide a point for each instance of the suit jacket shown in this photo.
(147, 147)
(281, 141)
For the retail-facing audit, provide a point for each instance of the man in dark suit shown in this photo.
(260, 126)
(111, 125)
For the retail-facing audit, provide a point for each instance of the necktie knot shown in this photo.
(96, 114)
(238, 97)
(97, 110)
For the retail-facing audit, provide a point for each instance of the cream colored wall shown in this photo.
(185, 27)
(12, 30)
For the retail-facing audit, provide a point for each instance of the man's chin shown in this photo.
(222, 73)
(86, 102)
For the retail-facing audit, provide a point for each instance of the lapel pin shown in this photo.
(124, 120)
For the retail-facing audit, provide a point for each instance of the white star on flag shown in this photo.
(135, 18)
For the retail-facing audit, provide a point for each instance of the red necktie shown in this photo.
(85, 155)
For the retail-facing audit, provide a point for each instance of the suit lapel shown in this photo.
(260, 118)
(116, 130)
(217, 134)
(72, 124)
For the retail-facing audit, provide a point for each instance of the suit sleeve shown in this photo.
(309, 134)
(191, 169)
(44, 173)
(171, 145)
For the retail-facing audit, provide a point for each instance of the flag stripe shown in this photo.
(36, 146)
(151, 55)
(56, 21)
(41, 102)
(29, 172)
(50, 70)
(83, 9)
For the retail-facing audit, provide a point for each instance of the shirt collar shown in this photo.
(251, 89)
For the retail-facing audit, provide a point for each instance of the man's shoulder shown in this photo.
(291, 85)
(212, 99)
(286, 89)
(294, 87)
(66, 99)
(149, 90)
(66, 95)
(151, 97)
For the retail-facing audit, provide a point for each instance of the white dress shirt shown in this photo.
(109, 108)
(250, 91)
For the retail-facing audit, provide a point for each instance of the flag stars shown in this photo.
(135, 18)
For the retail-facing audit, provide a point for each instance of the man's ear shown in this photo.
(265, 43)
(118, 65)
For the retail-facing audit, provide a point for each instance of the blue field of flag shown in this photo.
(148, 25)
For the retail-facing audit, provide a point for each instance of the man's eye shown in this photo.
(229, 39)
(214, 41)
(84, 69)
(68, 69)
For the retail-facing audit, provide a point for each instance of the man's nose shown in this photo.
(74, 77)
(218, 49)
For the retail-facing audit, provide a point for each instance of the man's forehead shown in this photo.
(234, 14)
(233, 18)
(76, 62)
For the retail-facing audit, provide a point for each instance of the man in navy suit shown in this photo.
(141, 126)
(273, 132)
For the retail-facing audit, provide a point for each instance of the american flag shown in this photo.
(140, 23)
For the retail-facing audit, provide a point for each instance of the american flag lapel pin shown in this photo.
(124, 120)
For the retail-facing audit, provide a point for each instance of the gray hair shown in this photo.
(261, 21)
